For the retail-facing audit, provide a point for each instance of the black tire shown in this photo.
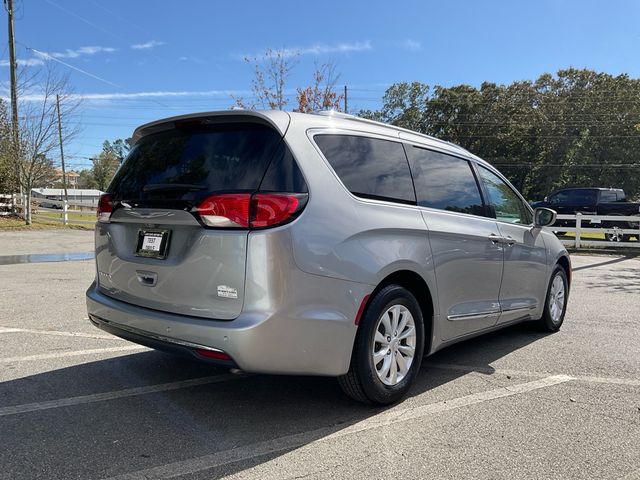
(616, 237)
(547, 322)
(362, 382)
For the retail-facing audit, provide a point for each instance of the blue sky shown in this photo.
(146, 59)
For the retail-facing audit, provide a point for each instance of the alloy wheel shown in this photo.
(556, 299)
(394, 344)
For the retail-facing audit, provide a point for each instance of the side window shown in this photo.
(506, 204)
(583, 196)
(560, 198)
(606, 196)
(369, 167)
(444, 182)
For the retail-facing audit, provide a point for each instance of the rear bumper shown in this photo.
(158, 342)
(312, 338)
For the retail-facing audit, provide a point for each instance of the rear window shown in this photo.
(188, 163)
(369, 167)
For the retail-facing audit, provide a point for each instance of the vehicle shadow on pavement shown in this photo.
(114, 437)
(602, 264)
(624, 280)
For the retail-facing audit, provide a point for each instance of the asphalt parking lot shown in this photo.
(77, 403)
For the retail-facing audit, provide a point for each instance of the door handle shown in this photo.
(495, 239)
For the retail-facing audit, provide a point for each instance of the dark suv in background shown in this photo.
(593, 201)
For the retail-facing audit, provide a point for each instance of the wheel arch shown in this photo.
(417, 285)
(565, 263)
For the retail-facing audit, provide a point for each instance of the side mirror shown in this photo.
(546, 199)
(543, 217)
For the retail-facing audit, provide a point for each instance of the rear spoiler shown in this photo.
(274, 118)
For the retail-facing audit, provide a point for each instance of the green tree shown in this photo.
(86, 180)
(119, 148)
(574, 128)
(105, 166)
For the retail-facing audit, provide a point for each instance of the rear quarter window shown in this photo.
(369, 167)
(608, 196)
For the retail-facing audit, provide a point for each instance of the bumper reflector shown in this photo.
(361, 309)
(212, 354)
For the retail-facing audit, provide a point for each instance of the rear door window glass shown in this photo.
(369, 167)
(444, 182)
(583, 196)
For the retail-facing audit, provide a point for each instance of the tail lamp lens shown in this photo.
(272, 208)
(230, 210)
(244, 210)
(105, 208)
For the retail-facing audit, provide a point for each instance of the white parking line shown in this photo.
(73, 353)
(384, 419)
(58, 333)
(112, 395)
(506, 371)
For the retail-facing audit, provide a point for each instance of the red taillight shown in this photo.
(243, 210)
(105, 208)
(214, 354)
(270, 209)
(225, 210)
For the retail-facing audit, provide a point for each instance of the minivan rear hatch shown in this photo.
(171, 234)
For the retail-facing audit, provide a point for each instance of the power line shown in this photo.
(49, 57)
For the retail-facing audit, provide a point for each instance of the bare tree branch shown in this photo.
(39, 138)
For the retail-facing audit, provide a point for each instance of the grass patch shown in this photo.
(88, 216)
(15, 223)
(586, 236)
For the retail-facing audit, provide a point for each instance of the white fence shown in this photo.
(80, 212)
(7, 205)
(593, 224)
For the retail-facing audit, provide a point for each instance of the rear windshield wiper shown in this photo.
(158, 187)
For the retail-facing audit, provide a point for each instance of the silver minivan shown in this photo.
(316, 244)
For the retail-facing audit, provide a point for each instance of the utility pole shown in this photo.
(345, 100)
(64, 173)
(8, 5)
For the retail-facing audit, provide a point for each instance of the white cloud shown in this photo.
(411, 45)
(320, 49)
(24, 62)
(89, 50)
(192, 59)
(146, 45)
(143, 95)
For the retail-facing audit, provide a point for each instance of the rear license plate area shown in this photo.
(153, 243)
